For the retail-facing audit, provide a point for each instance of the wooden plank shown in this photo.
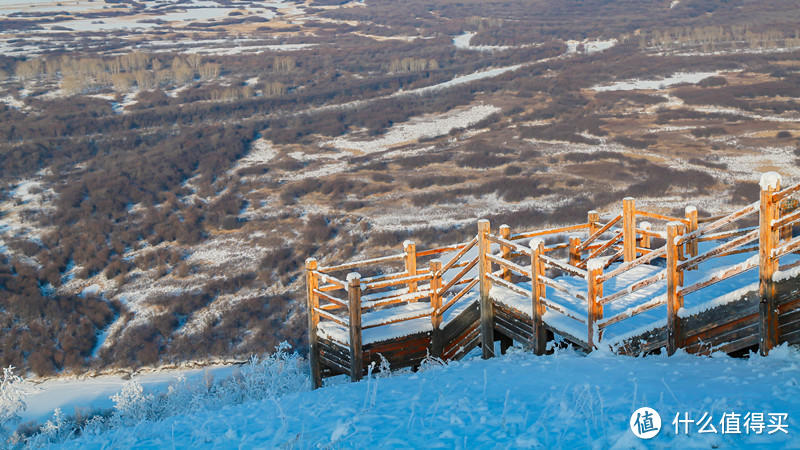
(325, 278)
(340, 349)
(334, 364)
(574, 252)
(461, 253)
(438, 250)
(719, 223)
(409, 279)
(466, 319)
(786, 248)
(691, 225)
(537, 233)
(507, 243)
(656, 216)
(741, 240)
(785, 220)
(630, 312)
(501, 327)
(561, 310)
(465, 333)
(633, 288)
(520, 328)
(569, 337)
(791, 338)
(557, 285)
(720, 276)
(392, 297)
(778, 196)
(330, 298)
(507, 267)
(312, 304)
(390, 276)
(389, 321)
(725, 234)
(592, 220)
(354, 297)
(460, 294)
(330, 317)
(362, 263)
(467, 268)
(599, 232)
(605, 246)
(718, 328)
(570, 269)
(507, 284)
(466, 348)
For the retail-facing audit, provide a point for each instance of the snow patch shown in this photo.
(770, 181)
(637, 84)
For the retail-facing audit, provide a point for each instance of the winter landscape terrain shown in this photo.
(166, 168)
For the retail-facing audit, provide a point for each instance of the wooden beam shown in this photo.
(767, 238)
(674, 301)
(691, 217)
(487, 312)
(312, 303)
(594, 310)
(539, 340)
(505, 233)
(628, 229)
(574, 250)
(645, 239)
(593, 219)
(410, 260)
(356, 350)
(436, 305)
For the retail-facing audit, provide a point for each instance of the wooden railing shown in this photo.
(441, 277)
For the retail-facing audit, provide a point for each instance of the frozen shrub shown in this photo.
(11, 399)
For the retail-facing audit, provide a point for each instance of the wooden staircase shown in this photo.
(701, 284)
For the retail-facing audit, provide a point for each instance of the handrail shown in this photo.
(332, 317)
(395, 281)
(391, 276)
(507, 284)
(535, 233)
(689, 263)
(325, 278)
(509, 265)
(785, 220)
(516, 246)
(331, 298)
(778, 196)
(397, 320)
(458, 296)
(437, 250)
(661, 251)
(393, 299)
(460, 274)
(365, 262)
(630, 312)
(599, 232)
(605, 246)
(633, 287)
(566, 267)
(721, 275)
(656, 216)
(753, 207)
(467, 247)
(786, 248)
(725, 234)
(561, 310)
(561, 287)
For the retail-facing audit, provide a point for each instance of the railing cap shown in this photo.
(353, 277)
(408, 243)
(690, 209)
(535, 243)
(595, 264)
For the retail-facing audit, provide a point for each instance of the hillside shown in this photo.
(563, 400)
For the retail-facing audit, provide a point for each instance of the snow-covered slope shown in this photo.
(519, 400)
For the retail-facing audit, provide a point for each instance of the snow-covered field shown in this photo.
(681, 77)
(564, 400)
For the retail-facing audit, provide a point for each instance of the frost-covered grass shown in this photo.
(519, 400)
(134, 407)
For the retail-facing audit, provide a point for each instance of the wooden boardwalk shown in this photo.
(701, 284)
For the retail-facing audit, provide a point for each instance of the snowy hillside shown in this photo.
(565, 400)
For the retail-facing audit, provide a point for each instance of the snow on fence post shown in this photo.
(312, 303)
(574, 250)
(691, 216)
(629, 228)
(539, 336)
(487, 309)
(410, 249)
(767, 265)
(594, 312)
(505, 233)
(593, 218)
(356, 350)
(674, 301)
(645, 242)
(436, 305)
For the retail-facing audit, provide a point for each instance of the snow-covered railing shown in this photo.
(431, 282)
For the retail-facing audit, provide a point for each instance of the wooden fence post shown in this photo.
(645, 241)
(574, 253)
(593, 218)
(629, 228)
(312, 302)
(410, 249)
(436, 305)
(691, 216)
(505, 233)
(356, 350)
(786, 231)
(487, 309)
(539, 338)
(767, 265)
(594, 312)
(674, 302)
